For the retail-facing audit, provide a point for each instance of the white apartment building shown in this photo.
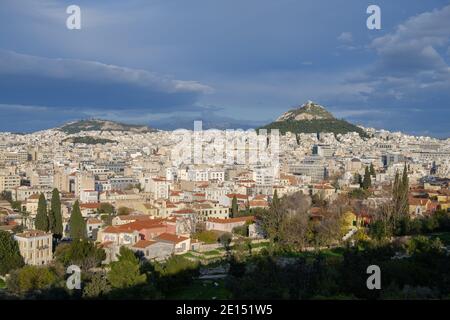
(171, 174)
(9, 181)
(215, 174)
(216, 193)
(159, 187)
(89, 196)
(265, 176)
(197, 175)
(22, 193)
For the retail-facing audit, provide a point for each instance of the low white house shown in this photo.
(153, 250)
(180, 244)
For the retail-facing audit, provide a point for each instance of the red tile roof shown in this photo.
(169, 237)
(143, 243)
(232, 220)
(90, 205)
(237, 195)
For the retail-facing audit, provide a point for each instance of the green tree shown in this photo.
(97, 287)
(404, 191)
(123, 211)
(16, 205)
(82, 253)
(42, 222)
(10, 257)
(31, 278)
(207, 236)
(125, 272)
(77, 223)
(372, 170)
(241, 230)
(357, 179)
(234, 207)
(55, 216)
(378, 230)
(367, 181)
(225, 240)
(106, 208)
(424, 245)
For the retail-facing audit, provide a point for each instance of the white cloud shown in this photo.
(345, 37)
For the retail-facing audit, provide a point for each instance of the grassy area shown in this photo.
(327, 253)
(188, 255)
(212, 253)
(202, 290)
(443, 236)
(260, 245)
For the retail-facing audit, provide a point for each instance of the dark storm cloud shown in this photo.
(65, 83)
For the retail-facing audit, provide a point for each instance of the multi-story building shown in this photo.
(159, 187)
(313, 167)
(9, 181)
(89, 196)
(35, 247)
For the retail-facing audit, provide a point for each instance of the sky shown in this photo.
(234, 63)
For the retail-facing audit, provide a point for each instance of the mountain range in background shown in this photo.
(102, 125)
(307, 118)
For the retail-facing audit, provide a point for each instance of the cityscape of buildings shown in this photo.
(148, 151)
(163, 203)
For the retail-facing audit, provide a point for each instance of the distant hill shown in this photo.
(312, 118)
(102, 125)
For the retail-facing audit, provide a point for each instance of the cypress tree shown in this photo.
(396, 196)
(55, 216)
(275, 200)
(234, 207)
(41, 222)
(357, 179)
(372, 170)
(367, 182)
(395, 187)
(77, 223)
(10, 257)
(404, 191)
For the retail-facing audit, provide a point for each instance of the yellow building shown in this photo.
(35, 247)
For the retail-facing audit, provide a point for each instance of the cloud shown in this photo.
(58, 83)
(414, 46)
(410, 68)
(345, 37)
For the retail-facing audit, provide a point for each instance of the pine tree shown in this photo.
(41, 222)
(125, 272)
(367, 182)
(55, 216)
(77, 223)
(234, 207)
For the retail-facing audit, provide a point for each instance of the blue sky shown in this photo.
(239, 63)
